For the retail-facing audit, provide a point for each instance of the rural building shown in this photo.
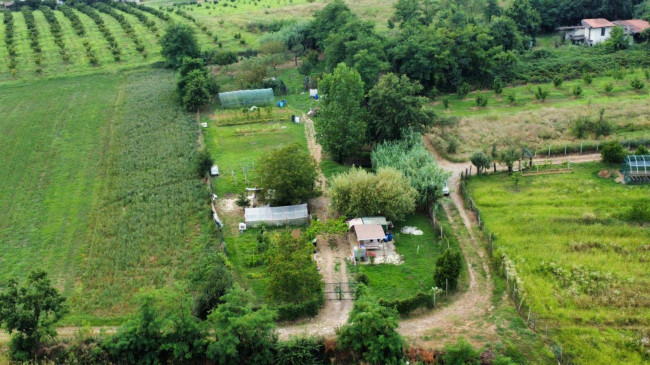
(370, 236)
(633, 27)
(636, 169)
(590, 31)
(371, 220)
(246, 98)
(292, 215)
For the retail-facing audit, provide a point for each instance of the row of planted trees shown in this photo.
(124, 23)
(55, 29)
(8, 21)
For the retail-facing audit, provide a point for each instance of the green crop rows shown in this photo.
(99, 188)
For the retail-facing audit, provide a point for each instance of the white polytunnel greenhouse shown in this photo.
(246, 98)
(293, 215)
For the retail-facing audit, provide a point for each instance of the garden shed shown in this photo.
(277, 216)
(246, 98)
(370, 236)
(636, 169)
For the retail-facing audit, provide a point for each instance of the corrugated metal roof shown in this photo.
(369, 232)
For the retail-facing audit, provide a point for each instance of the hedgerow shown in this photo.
(55, 29)
(33, 33)
(138, 14)
(405, 306)
(8, 21)
(77, 25)
(151, 10)
(104, 8)
(112, 43)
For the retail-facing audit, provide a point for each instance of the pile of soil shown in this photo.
(605, 174)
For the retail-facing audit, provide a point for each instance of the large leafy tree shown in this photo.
(394, 107)
(525, 16)
(244, 335)
(329, 20)
(359, 193)
(370, 332)
(289, 174)
(505, 33)
(31, 310)
(179, 41)
(341, 129)
(293, 274)
(480, 160)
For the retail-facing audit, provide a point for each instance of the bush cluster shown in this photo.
(138, 14)
(583, 127)
(77, 25)
(221, 58)
(128, 29)
(8, 21)
(293, 311)
(405, 306)
(55, 29)
(114, 48)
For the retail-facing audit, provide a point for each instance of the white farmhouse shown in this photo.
(590, 31)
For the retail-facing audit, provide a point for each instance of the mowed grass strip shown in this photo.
(238, 149)
(99, 188)
(583, 266)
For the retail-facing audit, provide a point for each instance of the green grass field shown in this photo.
(98, 188)
(584, 267)
(237, 150)
(538, 125)
(416, 273)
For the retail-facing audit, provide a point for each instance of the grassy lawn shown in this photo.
(584, 268)
(237, 149)
(416, 273)
(98, 188)
(539, 125)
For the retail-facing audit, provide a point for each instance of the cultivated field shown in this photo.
(87, 47)
(539, 125)
(98, 188)
(583, 265)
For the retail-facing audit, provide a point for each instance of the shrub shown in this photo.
(242, 200)
(307, 308)
(481, 100)
(463, 90)
(497, 85)
(300, 350)
(587, 78)
(405, 306)
(447, 269)
(618, 74)
(452, 145)
(557, 81)
(512, 97)
(460, 353)
(541, 94)
(639, 212)
(204, 163)
(613, 152)
(445, 102)
(576, 91)
(588, 218)
(608, 87)
(641, 150)
(637, 84)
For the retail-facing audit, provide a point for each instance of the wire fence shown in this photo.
(514, 284)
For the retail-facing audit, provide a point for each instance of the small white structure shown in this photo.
(590, 31)
(214, 170)
(277, 216)
(313, 93)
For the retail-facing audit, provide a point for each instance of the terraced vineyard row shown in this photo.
(80, 39)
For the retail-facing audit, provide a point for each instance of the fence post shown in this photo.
(549, 150)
